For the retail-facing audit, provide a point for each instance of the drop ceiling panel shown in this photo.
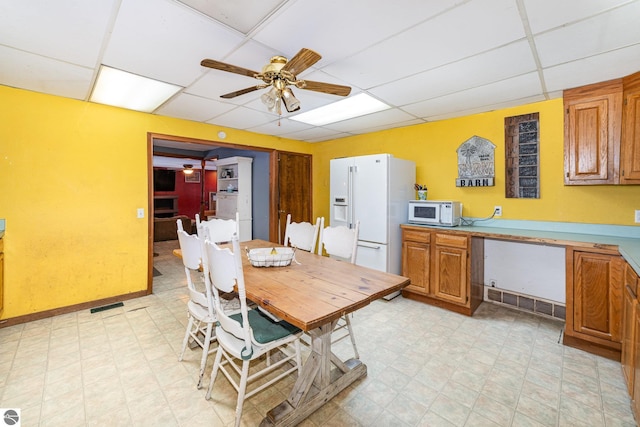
(336, 28)
(502, 91)
(546, 14)
(191, 107)
(599, 68)
(505, 62)
(168, 43)
(242, 15)
(381, 118)
(488, 107)
(68, 30)
(281, 127)
(244, 118)
(612, 30)
(436, 42)
(37, 73)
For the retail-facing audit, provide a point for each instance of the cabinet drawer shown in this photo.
(417, 236)
(452, 240)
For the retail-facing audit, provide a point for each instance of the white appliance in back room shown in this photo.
(375, 190)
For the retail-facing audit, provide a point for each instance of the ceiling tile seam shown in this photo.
(106, 39)
(522, 10)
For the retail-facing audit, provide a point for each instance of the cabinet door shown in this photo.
(630, 153)
(415, 265)
(450, 279)
(227, 206)
(628, 331)
(635, 396)
(597, 295)
(593, 116)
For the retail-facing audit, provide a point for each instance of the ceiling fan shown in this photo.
(280, 73)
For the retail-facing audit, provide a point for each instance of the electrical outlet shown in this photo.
(497, 210)
(493, 283)
(140, 213)
(637, 216)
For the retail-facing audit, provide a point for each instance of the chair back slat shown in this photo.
(191, 249)
(220, 230)
(301, 235)
(340, 241)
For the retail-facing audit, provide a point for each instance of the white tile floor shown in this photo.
(426, 367)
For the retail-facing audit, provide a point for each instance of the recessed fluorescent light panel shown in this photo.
(126, 90)
(348, 108)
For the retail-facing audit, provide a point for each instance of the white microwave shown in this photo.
(435, 212)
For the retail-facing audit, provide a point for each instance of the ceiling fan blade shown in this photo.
(217, 65)
(241, 92)
(325, 87)
(303, 60)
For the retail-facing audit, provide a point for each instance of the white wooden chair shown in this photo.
(200, 328)
(341, 243)
(220, 230)
(301, 235)
(245, 336)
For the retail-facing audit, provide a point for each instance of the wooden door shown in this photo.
(416, 257)
(450, 280)
(294, 189)
(593, 116)
(630, 155)
(597, 295)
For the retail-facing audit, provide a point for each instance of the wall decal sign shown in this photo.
(476, 166)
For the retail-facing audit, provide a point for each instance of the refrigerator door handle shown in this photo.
(369, 245)
(350, 193)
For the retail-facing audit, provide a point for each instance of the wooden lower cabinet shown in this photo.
(446, 268)
(594, 301)
(629, 308)
(416, 260)
(450, 281)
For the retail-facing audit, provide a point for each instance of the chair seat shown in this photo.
(264, 328)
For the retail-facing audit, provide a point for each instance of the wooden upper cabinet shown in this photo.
(602, 133)
(593, 116)
(630, 153)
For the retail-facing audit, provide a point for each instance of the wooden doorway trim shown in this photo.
(151, 137)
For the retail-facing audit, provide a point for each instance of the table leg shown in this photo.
(317, 383)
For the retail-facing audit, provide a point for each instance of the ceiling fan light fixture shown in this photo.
(188, 169)
(269, 98)
(291, 103)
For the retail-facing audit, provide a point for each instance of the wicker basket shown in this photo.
(270, 257)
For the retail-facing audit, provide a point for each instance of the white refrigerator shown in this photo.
(375, 190)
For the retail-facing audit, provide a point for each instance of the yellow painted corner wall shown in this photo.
(433, 147)
(72, 175)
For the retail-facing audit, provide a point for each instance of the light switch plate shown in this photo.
(637, 216)
(140, 213)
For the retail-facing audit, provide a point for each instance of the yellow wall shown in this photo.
(72, 175)
(433, 147)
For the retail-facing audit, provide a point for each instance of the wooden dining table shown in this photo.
(313, 293)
